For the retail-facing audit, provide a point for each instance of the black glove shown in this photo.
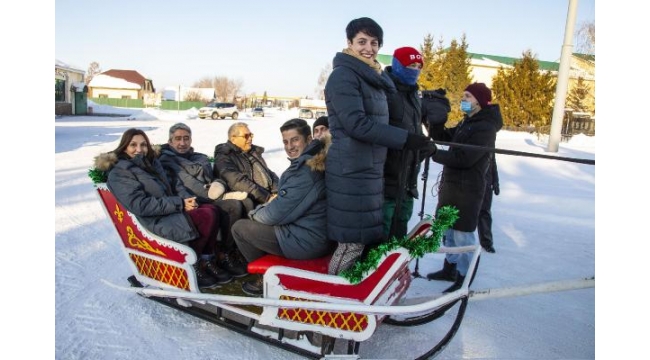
(429, 151)
(416, 142)
(495, 188)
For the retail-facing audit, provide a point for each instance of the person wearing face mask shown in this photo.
(356, 99)
(403, 165)
(464, 175)
(165, 207)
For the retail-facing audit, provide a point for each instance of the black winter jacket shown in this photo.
(355, 95)
(404, 111)
(192, 169)
(464, 170)
(245, 172)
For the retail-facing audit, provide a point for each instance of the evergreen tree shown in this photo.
(265, 99)
(448, 69)
(524, 93)
(578, 96)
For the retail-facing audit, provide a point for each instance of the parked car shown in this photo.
(319, 114)
(217, 110)
(258, 112)
(305, 114)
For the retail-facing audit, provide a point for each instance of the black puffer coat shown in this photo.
(405, 112)
(245, 172)
(192, 169)
(464, 170)
(144, 190)
(355, 95)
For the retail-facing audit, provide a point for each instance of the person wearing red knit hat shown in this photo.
(403, 165)
(463, 175)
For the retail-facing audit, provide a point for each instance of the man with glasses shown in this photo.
(240, 164)
(194, 171)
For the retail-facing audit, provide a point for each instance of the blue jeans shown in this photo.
(455, 238)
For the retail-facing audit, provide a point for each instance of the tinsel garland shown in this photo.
(417, 247)
(97, 176)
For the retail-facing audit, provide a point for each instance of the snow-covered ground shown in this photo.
(544, 230)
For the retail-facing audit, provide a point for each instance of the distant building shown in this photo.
(120, 84)
(69, 89)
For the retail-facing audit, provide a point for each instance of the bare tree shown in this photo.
(93, 69)
(322, 80)
(205, 82)
(194, 95)
(586, 38)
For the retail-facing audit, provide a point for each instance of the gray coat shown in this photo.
(298, 213)
(355, 95)
(144, 190)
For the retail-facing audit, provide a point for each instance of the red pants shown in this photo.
(206, 221)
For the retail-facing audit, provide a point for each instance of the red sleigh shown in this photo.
(300, 298)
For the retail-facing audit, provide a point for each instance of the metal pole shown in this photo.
(562, 79)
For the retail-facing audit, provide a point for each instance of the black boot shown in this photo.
(254, 287)
(220, 275)
(448, 273)
(204, 280)
(456, 285)
(488, 247)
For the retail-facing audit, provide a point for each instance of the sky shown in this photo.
(544, 230)
(282, 46)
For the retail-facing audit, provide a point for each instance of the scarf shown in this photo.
(372, 63)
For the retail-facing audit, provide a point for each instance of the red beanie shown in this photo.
(407, 56)
(481, 92)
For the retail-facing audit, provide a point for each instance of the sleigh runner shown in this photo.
(303, 309)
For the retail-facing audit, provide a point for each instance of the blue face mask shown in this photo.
(406, 75)
(466, 106)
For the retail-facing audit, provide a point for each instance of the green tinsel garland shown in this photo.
(97, 176)
(417, 247)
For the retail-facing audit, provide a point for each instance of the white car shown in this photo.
(216, 111)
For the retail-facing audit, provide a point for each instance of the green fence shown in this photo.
(138, 103)
(126, 103)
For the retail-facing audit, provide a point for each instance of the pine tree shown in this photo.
(448, 69)
(578, 96)
(265, 99)
(524, 94)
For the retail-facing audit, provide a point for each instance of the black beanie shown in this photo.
(321, 121)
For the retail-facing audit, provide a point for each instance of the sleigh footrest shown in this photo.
(262, 264)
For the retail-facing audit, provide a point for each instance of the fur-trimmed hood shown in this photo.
(317, 162)
(106, 161)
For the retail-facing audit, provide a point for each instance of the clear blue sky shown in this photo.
(280, 47)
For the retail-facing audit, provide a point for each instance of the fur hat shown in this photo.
(481, 92)
(407, 56)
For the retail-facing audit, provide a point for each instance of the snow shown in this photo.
(544, 230)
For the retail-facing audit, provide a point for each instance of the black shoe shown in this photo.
(457, 285)
(489, 248)
(254, 287)
(204, 279)
(232, 264)
(448, 273)
(222, 276)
